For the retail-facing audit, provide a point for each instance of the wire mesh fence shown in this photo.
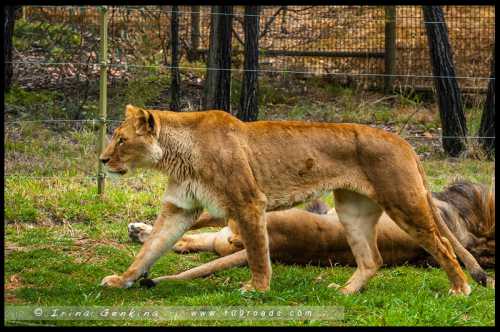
(348, 40)
(56, 49)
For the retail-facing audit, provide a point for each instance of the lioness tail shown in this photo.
(470, 263)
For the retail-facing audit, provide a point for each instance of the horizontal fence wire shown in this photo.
(117, 121)
(62, 120)
(142, 10)
(248, 70)
(90, 177)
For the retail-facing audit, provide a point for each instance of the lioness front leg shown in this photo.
(252, 227)
(170, 225)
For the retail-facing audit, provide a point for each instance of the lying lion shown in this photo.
(239, 170)
(302, 237)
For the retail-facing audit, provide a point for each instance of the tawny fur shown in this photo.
(240, 170)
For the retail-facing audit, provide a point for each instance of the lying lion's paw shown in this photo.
(115, 281)
(183, 246)
(138, 231)
(235, 241)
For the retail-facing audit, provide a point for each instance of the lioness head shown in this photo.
(134, 143)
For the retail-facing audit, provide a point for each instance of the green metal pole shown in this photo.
(102, 95)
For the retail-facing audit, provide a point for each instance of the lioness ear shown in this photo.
(131, 111)
(145, 123)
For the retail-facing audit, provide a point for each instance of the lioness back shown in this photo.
(308, 157)
(293, 161)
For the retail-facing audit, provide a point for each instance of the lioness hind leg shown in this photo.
(359, 215)
(417, 220)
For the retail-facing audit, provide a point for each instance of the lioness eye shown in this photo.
(121, 141)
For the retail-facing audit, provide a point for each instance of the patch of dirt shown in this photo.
(83, 249)
(11, 298)
(13, 283)
(11, 247)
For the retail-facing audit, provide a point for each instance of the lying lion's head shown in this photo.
(134, 142)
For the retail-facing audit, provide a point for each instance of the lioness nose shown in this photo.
(104, 160)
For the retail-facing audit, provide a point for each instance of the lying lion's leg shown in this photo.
(139, 232)
(206, 220)
(359, 215)
(195, 242)
(415, 216)
(170, 225)
(223, 263)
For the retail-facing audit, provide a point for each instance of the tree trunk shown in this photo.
(448, 92)
(249, 103)
(218, 79)
(487, 127)
(195, 33)
(9, 17)
(176, 77)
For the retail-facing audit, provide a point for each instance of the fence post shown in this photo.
(390, 48)
(103, 59)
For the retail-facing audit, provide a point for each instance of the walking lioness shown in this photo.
(241, 170)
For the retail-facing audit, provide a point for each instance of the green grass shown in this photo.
(54, 270)
(61, 239)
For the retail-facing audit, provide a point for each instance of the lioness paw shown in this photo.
(250, 287)
(346, 290)
(334, 285)
(490, 282)
(464, 290)
(115, 281)
(247, 287)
